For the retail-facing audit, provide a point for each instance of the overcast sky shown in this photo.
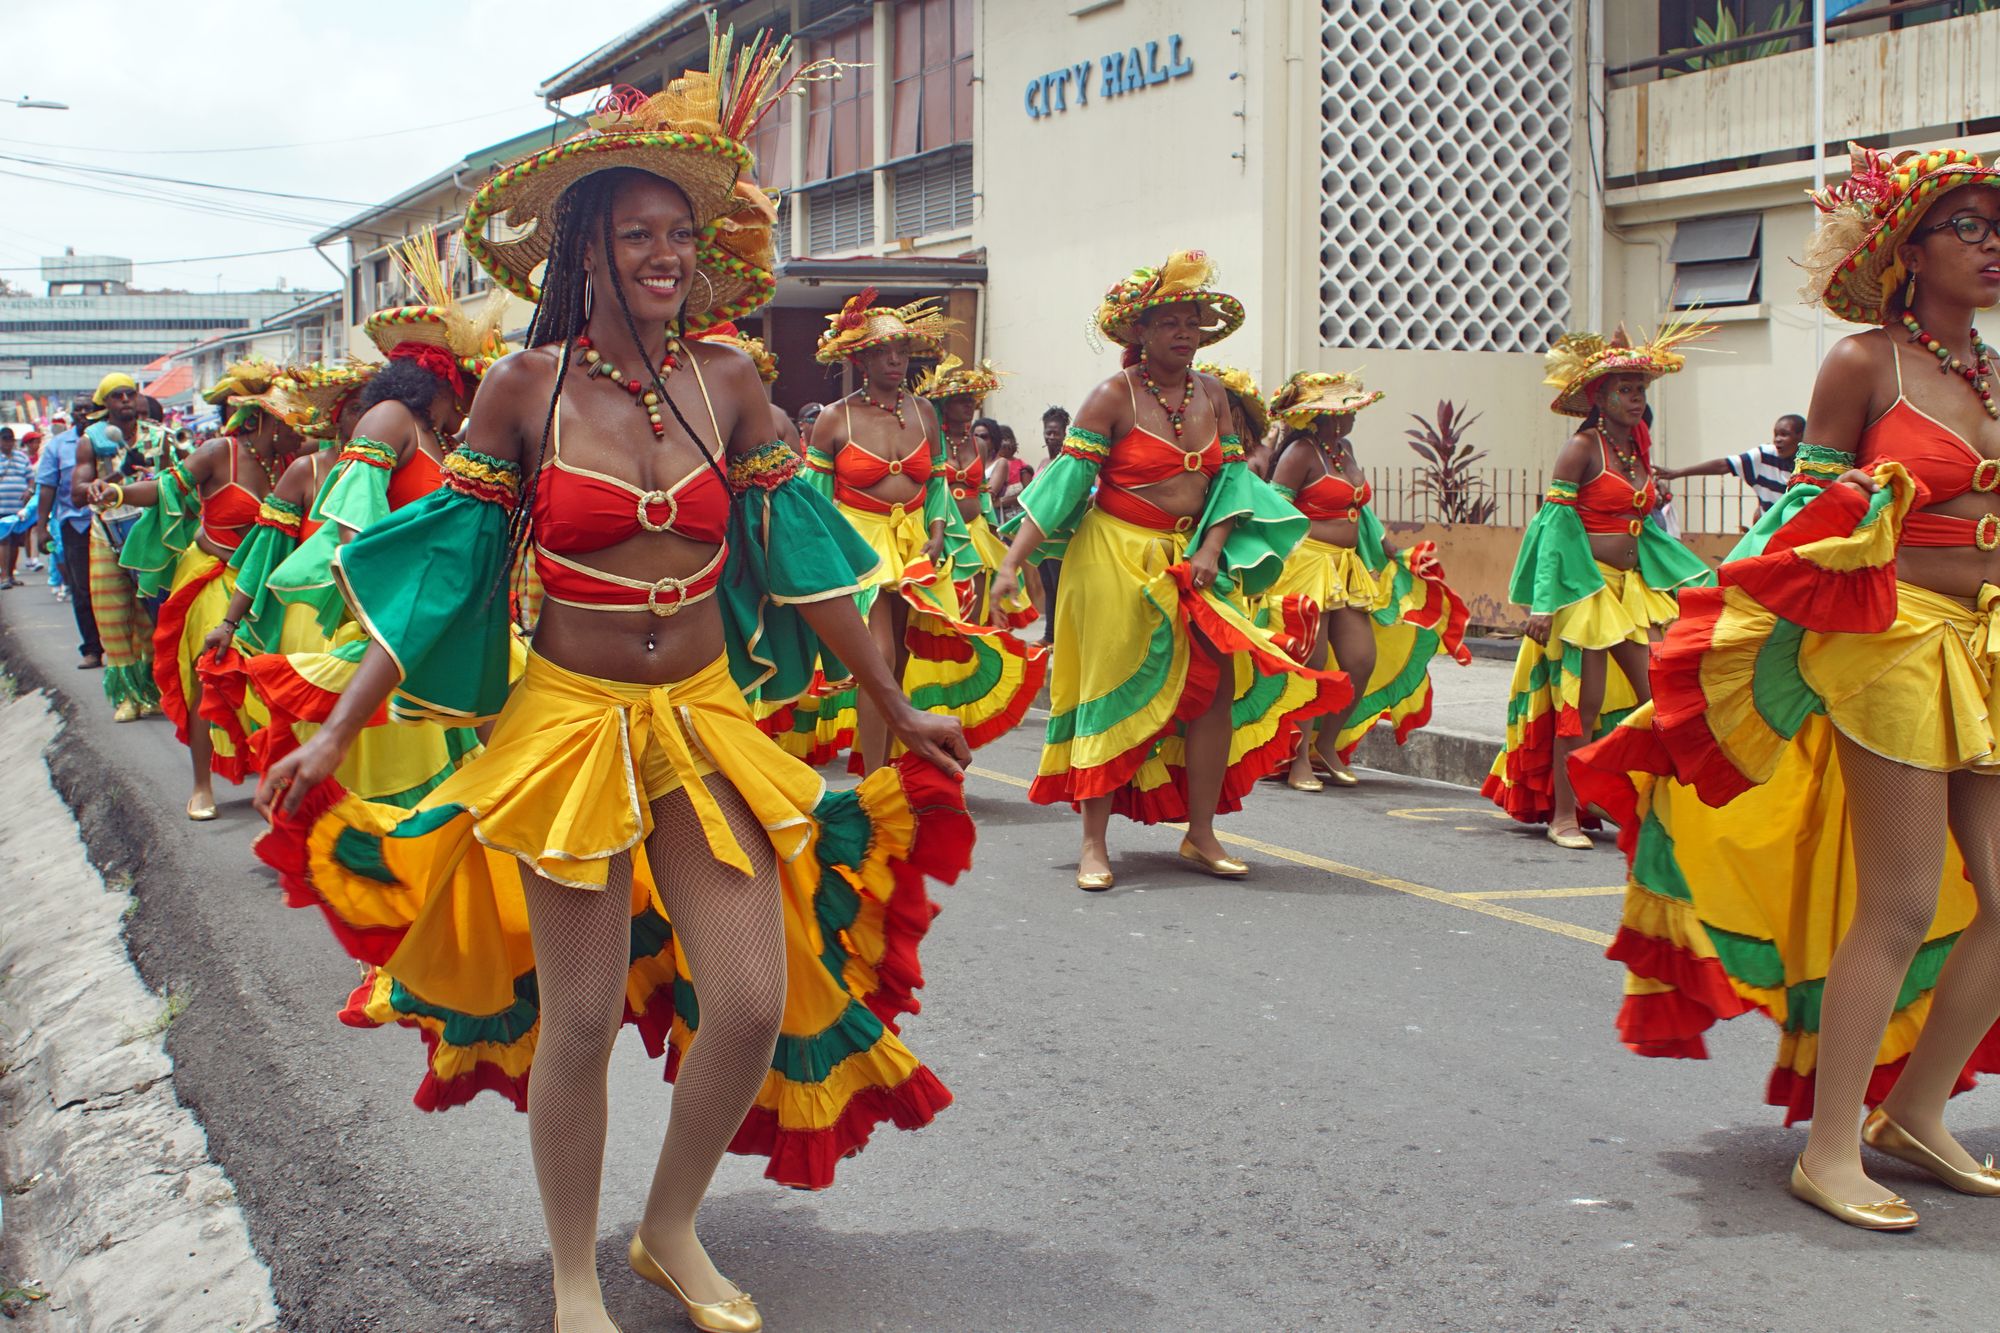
(353, 82)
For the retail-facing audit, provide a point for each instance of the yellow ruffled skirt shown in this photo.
(197, 600)
(432, 898)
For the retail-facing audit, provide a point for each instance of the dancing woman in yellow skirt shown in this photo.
(1597, 573)
(198, 513)
(628, 846)
(879, 455)
(1166, 702)
(1811, 805)
(1381, 614)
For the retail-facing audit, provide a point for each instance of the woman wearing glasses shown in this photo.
(1832, 705)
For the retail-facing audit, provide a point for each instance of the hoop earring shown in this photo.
(1910, 293)
(708, 282)
(587, 289)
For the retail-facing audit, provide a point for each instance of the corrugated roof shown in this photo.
(588, 72)
(178, 380)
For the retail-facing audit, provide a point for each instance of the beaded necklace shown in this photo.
(1627, 456)
(1176, 417)
(646, 398)
(895, 411)
(270, 471)
(1949, 364)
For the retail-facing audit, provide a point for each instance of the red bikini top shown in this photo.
(1942, 462)
(1609, 502)
(417, 477)
(966, 481)
(228, 514)
(578, 511)
(1332, 496)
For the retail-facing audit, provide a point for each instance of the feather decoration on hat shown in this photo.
(854, 311)
(429, 273)
(1571, 355)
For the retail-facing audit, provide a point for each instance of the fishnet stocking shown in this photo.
(1898, 816)
(732, 930)
(582, 941)
(1966, 1003)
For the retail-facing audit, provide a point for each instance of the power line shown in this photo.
(58, 164)
(209, 207)
(263, 148)
(156, 263)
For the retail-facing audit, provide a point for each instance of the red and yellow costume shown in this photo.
(1127, 675)
(1413, 612)
(1727, 788)
(1591, 605)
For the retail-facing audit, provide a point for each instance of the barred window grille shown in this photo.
(1445, 174)
(933, 193)
(841, 216)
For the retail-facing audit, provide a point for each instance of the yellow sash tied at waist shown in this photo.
(575, 762)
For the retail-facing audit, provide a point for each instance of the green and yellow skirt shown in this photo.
(1728, 793)
(1414, 617)
(1127, 677)
(984, 676)
(197, 601)
(817, 727)
(1547, 688)
(124, 627)
(431, 898)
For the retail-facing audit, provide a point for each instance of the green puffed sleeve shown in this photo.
(270, 541)
(1555, 567)
(355, 497)
(1267, 526)
(1370, 543)
(788, 545)
(155, 543)
(1815, 468)
(938, 505)
(1055, 500)
(1668, 565)
(426, 583)
(818, 473)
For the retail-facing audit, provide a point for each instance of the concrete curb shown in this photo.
(116, 1208)
(1441, 756)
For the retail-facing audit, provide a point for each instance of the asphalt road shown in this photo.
(1375, 1087)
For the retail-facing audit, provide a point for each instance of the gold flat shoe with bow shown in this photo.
(1884, 1135)
(1094, 881)
(1575, 842)
(1305, 784)
(738, 1314)
(200, 814)
(1892, 1214)
(1221, 867)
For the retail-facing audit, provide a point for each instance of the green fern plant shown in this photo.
(1725, 29)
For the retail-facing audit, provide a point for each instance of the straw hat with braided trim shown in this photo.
(691, 134)
(1579, 360)
(952, 378)
(312, 397)
(1851, 262)
(760, 356)
(440, 320)
(1186, 278)
(1242, 386)
(1321, 393)
(860, 324)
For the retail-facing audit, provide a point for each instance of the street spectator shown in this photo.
(66, 524)
(16, 489)
(1767, 470)
(31, 540)
(807, 415)
(1004, 473)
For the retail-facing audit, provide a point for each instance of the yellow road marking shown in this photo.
(1545, 893)
(1427, 814)
(1380, 881)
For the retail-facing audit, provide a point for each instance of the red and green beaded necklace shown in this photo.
(645, 397)
(1975, 374)
(1177, 418)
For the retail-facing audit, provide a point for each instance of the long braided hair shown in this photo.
(581, 212)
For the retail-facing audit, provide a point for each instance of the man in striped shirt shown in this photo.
(1767, 471)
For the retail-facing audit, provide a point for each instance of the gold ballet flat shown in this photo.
(125, 712)
(1221, 867)
(1884, 1135)
(1893, 1214)
(1305, 784)
(738, 1314)
(200, 814)
(1576, 842)
(1094, 881)
(1344, 777)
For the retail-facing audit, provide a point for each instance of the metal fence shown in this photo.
(1703, 504)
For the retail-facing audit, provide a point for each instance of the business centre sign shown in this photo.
(1118, 74)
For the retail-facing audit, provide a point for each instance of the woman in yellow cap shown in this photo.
(1811, 804)
(879, 455)
(628, 846)
(1597, 573)
(1380, 613)
(121, 446)
(1166, 702)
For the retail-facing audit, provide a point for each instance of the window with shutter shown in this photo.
(933, 193)
(840, 216)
